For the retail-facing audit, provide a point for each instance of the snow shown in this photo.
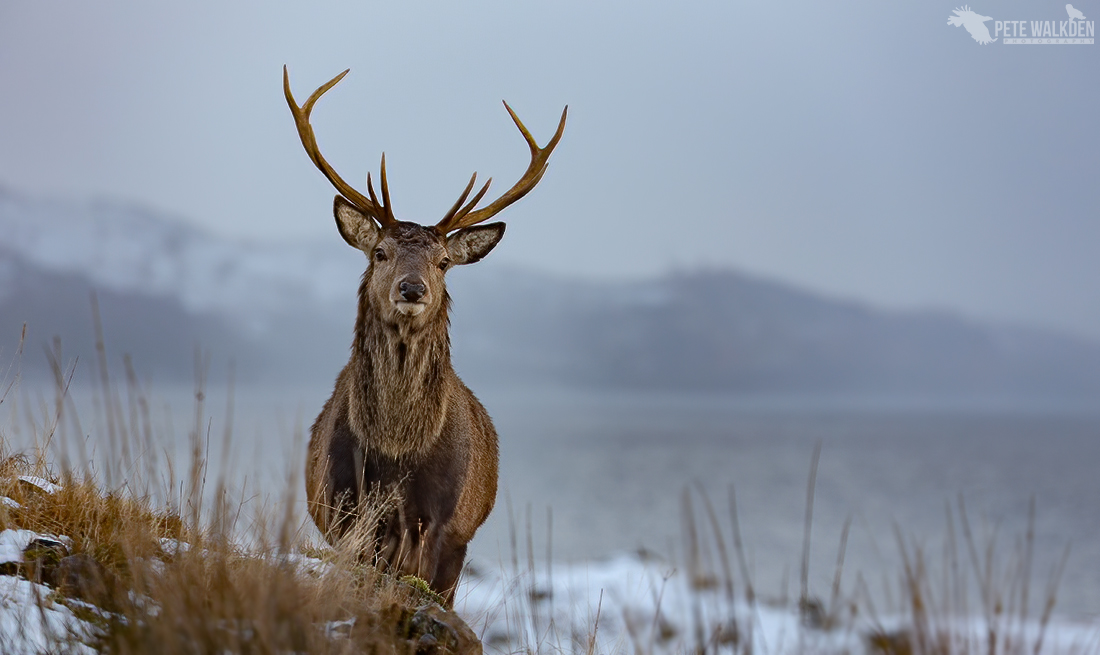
(134, 249)
(173, 546)
(41, 483)
(629, 604)
(646, 602)
(14, 542)
(30, 622)
(339, 629)
(649, 606)
(306, 565)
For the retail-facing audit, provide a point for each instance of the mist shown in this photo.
(864, 151)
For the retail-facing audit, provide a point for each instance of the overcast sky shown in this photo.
(863, 149)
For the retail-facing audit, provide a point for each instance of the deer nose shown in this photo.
(412, 291)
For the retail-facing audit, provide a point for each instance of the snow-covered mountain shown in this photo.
(285, 311)
(131, 249)
(165, 288)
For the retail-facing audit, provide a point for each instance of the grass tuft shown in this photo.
(115, 570)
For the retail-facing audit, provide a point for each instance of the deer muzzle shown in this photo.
(412, 291)
(411, 296)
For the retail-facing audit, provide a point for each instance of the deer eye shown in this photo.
(444, 264)
(379, 255)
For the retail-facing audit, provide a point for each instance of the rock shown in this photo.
(427, 645)
(80, 576)
(46, 560)
(432, 630)
(41, 559)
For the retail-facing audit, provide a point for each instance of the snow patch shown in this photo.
(173, 546)
(30, 622)
(14, 542)
(647, 605)
(41, 483)
(134, 249)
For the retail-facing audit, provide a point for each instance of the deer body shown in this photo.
(400, 424)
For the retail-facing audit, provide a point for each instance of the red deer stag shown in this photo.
(400, 422)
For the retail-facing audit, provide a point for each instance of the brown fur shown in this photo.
(400, 423)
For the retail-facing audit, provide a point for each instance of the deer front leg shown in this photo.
(419, 552)
(451, 561)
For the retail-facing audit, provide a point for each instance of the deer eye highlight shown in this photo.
(443, 265)
(379, 255)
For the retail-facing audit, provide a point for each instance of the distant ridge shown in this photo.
(285, 312)
(164, 289)
(724, 330)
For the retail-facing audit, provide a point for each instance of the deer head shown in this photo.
(405, 277)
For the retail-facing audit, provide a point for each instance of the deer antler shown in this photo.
(461, 216)
(380, 211)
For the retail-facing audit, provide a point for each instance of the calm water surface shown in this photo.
(588, 475)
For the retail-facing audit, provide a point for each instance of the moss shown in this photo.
(422, 588)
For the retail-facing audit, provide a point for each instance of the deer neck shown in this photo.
(400, 382)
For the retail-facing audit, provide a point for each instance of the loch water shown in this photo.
(587, 475)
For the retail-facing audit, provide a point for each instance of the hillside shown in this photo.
(285, 311)
(724, 330)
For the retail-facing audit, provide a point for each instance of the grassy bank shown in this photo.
(118, 575)
(148, 555)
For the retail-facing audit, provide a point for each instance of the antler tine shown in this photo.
(370, 190)
(540, 157)
(458, 210)
(386, 193)
(476, 199)
(385, 202)
(461, 199)
(381, 213)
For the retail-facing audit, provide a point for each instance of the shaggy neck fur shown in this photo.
(400, 379)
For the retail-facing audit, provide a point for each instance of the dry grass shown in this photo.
(149, 576)
(969, 600)
(169, 576)
(990, 590)
(166, 585)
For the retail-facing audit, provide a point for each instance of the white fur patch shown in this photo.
(410, 308)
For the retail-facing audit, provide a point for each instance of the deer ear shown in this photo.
(357, 228)
(470, 244)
